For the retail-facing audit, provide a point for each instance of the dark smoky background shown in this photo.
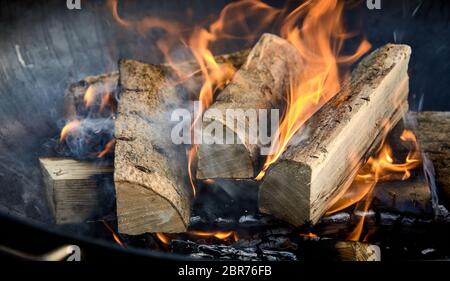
(44, 47)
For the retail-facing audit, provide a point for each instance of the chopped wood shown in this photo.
(261, 83)
(77, 191)
(357, 251)
(412, 196)
(152, 188)
(74, 103)
(433, 132)
(311, 174)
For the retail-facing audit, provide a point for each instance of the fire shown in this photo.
(108, 147)
(319, 40)
(114, 234)
(89, 96)
(69, 128)
(221, 235)
(309, 234)
(315, 28)
(163, 238)
(379, 168)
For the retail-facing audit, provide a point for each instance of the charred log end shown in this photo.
(141, 210)
(280, 198)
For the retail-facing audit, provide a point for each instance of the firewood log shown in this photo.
(153, 193)
(77, 191)
(261, 83)
(152, 190)
(75, 105)
(433, 132)
(311, 174)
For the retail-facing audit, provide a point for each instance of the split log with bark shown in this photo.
(311, 174)
(261, 83)
(153, 191)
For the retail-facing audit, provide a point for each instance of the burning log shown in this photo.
(433, 132)
(311, 174)
(260, 84)
(404, 197)
(80, 97)
(77, 191)
(88, 96)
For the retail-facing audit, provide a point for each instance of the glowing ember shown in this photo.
(221, 235)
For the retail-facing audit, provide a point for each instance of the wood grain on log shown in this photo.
(261, 83)
(312, 174)
(153, 194)
(75, 190)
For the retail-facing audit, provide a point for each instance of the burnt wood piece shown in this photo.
(74, 103)
(412, 196)
(261, 83)
(310, 249)
(312, 174)
(433, 132)
(224, 252)
(77, 191)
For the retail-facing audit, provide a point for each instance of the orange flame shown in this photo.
(89, 96)
(379, 168)
(68, 128)
(319, 41)
(114, 234)
(163, 238)
(108, 147)
(221, 235)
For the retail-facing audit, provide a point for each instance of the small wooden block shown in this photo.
(77, 191)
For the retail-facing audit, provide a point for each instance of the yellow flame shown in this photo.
(379, 168)
(319, 41)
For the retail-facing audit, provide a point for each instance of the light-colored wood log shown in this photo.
(261, 83)
(312, 174)
(153, 192)
(77, 191)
